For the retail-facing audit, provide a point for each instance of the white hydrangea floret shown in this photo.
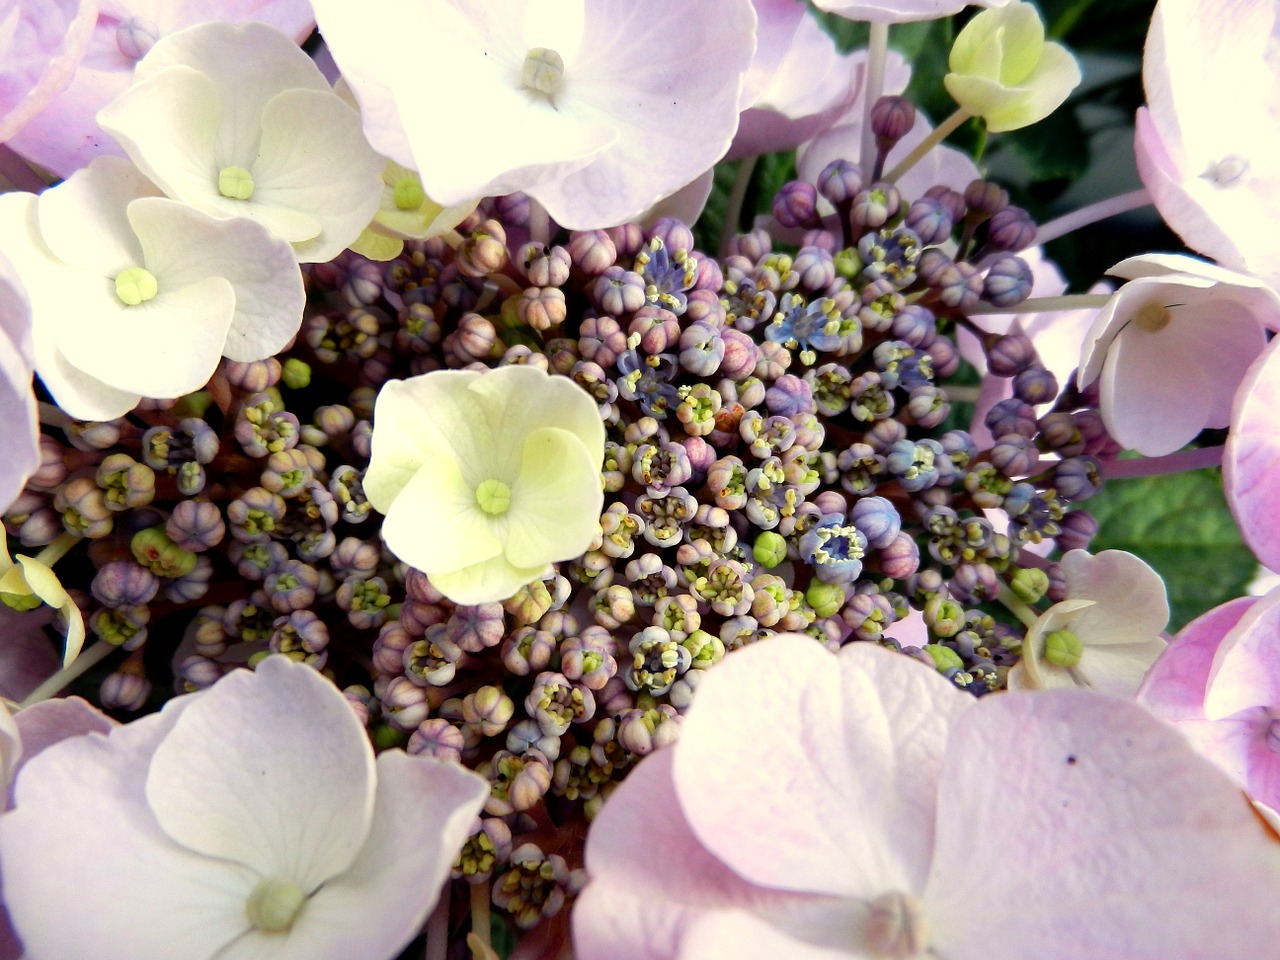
(135, 295)
(1106, 633)
(486, 479)
(237, 121)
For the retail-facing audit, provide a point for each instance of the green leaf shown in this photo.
(1181, 526)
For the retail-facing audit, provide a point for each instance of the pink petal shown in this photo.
(744, 936)
(1086, 849)
(37, 59)
(650, 876)
(1251, 461)
(1246, 668)
(1174, 687)
(857, 742)
(270, 769)
(81, 822)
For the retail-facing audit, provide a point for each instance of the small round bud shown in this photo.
(892, 118)
(1063, 648)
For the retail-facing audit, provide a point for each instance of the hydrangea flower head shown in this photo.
(593, 103)
(138, 295)
(1160, 386)
(1206, 140)
(249, 820)
(486, 479)
(1003, 69)
(238, 122)
(847, 805)
(1104, 635)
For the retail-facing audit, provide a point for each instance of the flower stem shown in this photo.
(733, 206)
(1018, 608)
(940, 133)
(877, 47)
(1070, 301)
(57, 550)
(68, 673)
(480, 913)
(1170, 463)
(1111, 207)
(438, 928)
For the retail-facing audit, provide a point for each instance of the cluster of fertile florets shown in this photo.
(781, 456)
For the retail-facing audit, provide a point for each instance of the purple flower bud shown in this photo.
(1011, 228)
(789, 396)
(1014, 455)
(815, 267)
(628, 238)
(915, 325)
(1059, 433)
(1008, 282)
(543, 267)
(701, 349)
(1011, 416)
(840, 181)
(874, 206)
(892, 118)
(878, 520)
(1035, 385)
(974, 583)
(437, 738)
(795, 205)
(984, 198)
(592, 251)
(930, 219)
(1078, 530)
(484, 252)
(1077, 478)
(195, 525)
(741, 354)
(901, 558)
(404, 704)
(618, 292)
(542, 308)
(1009, 355)
(125, 690)
(123, 583)
(673, 233)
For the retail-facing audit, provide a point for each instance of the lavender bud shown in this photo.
(1008, 282)
(795, 205)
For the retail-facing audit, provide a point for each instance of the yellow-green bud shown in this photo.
(154, 550)
(274, 904)
(1063, 648)
(494, 497)
(944, 658)
(1029, 584)
(235, 183)
(408, 193)
(825, 598)
(770, 549)
(295, 373)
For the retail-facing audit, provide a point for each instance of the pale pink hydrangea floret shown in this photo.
(250, 820)
(822, 806)
(41, 44)
(65, 136)
(900, 11)
(586, 107)
(1219, 683)
(1207, 140)
(1251, 461)
(1171, 346)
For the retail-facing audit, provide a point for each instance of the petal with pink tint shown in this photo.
(1246, 668)
(41, 44)
(1174, 688)
(1251, 461)
(900, 11)
(851, 740)
(1089, 867)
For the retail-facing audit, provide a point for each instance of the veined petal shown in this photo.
(1095, 861)
(1246, 668)
(81, 822)
(165, 347)
(488, 581)
(313, 159)
(83, 220)
(435, 523)
(52, 285)
(182, 246)
(858, 740)
(1251, 462)
(269, 769)
(1174, 687)
(555, 501)
(1130, 604)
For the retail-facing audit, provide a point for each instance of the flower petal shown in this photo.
(813, 775)
(1174, 687)
(1251, 461)
(84, 222)
(1130, 601)
(489, 581)
(1096, 858)
(435, 523)
(182, 245)
(270, 769)
(556, 500)
(1246, 668)
(422, 813)
(81, 822)
(46, 41)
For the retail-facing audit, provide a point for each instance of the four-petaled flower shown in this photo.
(486, 479)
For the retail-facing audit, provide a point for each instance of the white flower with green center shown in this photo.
(1107, 632)
(135, 295)
(486, 479)
(237, 121)
(1003, 69)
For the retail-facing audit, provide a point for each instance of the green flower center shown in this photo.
(408, 193)
(494, 497)
(543, 71)
(274, 904)
(235, 183)
(1063, 648)
(135, 285)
